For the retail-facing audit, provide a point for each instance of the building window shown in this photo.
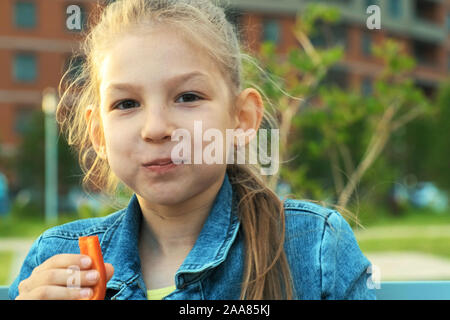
(25, 67)
(23, 120)
(73, 66)
(370, 3)
(395, 8)
(318, 40)
(367, 87)
(366, 44)
(448, 22)
(337, 77)
(271, 31)
(25, 14)
(426, 53)
(340, 35)
(328, 36)
(428, 11)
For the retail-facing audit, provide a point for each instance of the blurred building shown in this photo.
(36, 44)
(35, 47)
(37, 41)
(421, 25)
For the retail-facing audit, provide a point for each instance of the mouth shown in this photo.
(162, 165)
(159, 162)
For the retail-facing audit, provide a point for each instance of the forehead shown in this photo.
(155, 58)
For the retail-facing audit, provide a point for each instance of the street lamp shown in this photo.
(49, 103)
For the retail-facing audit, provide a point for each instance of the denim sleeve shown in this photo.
(30, 262)
(343, 265)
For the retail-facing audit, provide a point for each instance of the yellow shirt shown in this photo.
(158, 294)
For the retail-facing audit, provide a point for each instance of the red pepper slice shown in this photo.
(90, 246)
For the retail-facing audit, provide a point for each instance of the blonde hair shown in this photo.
(266, 272)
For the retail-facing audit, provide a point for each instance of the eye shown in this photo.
(126, 104)
(189, 97)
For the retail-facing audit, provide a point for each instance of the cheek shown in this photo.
(118, 142)
(217, 143)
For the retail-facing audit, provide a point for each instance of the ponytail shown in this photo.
(261, 213)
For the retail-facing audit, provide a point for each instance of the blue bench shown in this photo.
(414, 290)
(4, 293)
(389, 290)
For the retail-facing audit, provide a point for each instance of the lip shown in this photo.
(158, 161)
(161, 165)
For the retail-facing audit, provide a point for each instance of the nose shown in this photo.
(156, 127)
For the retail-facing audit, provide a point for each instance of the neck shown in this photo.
(171, 231)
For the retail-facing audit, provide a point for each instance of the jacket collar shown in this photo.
(120, 242)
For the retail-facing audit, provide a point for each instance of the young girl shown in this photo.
(191, 230)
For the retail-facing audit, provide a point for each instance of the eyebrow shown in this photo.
(172, 81)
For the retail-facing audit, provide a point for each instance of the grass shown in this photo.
(6, 259)
(30, 224)
(25, 228)
(19, 227)
(415, 218)
(372, 216)
(418, 230)
(438, 245)
(31, 227)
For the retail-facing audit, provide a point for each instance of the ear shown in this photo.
(250, 110)
(95, 131)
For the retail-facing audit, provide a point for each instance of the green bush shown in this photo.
(5, 267)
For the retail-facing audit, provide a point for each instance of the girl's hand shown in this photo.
(53, 279)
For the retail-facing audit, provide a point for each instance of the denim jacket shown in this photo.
(323, 255)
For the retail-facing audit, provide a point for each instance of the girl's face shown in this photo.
(152, 85)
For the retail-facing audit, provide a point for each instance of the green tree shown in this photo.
(332, 136)
(428, 142)
(289, 81)
(396, 101)
(30, 162)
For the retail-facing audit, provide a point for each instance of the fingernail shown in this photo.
(85, 293)
(85, 262)
(92, 275)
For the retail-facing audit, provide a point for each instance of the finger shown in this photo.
(64, 277)
(109, 271)
(56, 293)
(63, 261)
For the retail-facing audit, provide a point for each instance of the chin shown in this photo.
(166, 199)
(175, 192)
(167, 195)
